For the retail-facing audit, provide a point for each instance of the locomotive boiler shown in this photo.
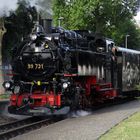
(56, 70)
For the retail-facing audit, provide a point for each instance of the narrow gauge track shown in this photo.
(112, 102)
(19, 127)
(108, 103)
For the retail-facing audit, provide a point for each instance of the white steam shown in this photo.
(10, 5)
(6, 6)
(79, 113)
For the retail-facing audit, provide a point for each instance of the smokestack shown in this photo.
(47, 25)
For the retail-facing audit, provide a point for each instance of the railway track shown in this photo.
(19, 127)
(89, 127)
(111, 102)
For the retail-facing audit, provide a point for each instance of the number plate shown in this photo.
(36, 111)
(35, 66)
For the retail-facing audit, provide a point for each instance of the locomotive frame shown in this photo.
(77, 69)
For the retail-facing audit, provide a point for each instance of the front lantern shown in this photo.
(7, 85)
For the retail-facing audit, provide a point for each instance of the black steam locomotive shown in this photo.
(55, 70)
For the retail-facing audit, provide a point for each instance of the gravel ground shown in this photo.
(89, 127)
(6, 119)
(4, 115)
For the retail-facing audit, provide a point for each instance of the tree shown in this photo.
(109, 17)
(61, 9)
(119, 33)
(18, 25)
(94, 13)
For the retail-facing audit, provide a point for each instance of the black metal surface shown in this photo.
(91, 63)
(47, 25)
(38, 111)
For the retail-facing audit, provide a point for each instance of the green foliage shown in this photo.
(100, 13)
(6, 95)
(138, 87)
(109, 17)
(25, 15)
(18, 25)
(61, 9)
(119, 32)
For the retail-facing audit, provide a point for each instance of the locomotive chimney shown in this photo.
(47, 25)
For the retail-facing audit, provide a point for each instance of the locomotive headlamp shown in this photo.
(33, 37)
(7, 85)
(65, 85)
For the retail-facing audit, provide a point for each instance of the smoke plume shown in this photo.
(6, 6)
(10, 5)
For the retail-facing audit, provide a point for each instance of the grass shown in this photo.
(129, 129)
(4, 96)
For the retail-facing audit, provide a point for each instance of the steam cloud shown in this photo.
(79, 113)
(6, 6)
(11, 5)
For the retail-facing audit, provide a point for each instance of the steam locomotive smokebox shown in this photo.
(47, 25)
